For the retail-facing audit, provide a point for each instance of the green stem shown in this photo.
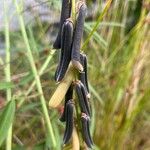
(36, 75)
(73, 9)
(1, 61)
(78, 113)
(97, 23)
(41, 71)
(7, 72)
(44, 66)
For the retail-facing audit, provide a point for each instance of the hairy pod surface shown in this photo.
(69, 122)
(65, 57)
(85, 130)
(81, 99)
(69, 96)
(75, 56)
(65, 14)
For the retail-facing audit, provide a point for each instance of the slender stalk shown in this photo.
(44, 66)
(7, 72)
(77, 139)
(1, 61)
(41, 71)
(97, 23)
(36, 75)
(73, 9)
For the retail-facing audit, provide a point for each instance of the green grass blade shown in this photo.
(6, 119)
(35, 72)
(97, 23)
(96, 36)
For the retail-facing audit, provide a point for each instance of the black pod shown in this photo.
(75, 56)
(65, 56)
(81, 99)
(69, 122)
(83, 75)
(85, 130)
(65, 14)
(85, 98)
(69, 96)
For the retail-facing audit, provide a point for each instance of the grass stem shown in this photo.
(73, 10)
(36, 75)
(7, 71)
(97, 23)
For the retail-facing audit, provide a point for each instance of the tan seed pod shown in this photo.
(62, 88)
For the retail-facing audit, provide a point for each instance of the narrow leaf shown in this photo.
(6, 119)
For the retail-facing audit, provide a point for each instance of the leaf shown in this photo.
(97, 23)
(6, 119)
(96, 36)
(26, 79)
(94, 92)
(6, 85)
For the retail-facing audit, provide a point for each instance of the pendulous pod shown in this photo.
(85, 97)
(75, 56)
(83, 75)
(88, 128)
(69, 122)
(65, 14)
(67, 35)
(81, 98)
(69, 96)
(85, 130)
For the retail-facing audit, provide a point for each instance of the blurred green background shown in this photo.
(118, 70)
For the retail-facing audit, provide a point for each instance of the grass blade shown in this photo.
(97, 23)
(6, 119)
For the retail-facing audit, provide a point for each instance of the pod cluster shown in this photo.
(69, 41)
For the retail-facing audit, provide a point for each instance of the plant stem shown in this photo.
(40, 72)
(7, 71)
(1, 61)
(73, 9)
(78, 113)
(97, 23)
(36, 75)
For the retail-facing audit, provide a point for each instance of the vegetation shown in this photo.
(118, 50)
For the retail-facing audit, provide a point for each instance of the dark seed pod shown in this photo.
(86, 101)
(69, 122)
(85, 130)
(67, 34)
(65, 14)
(69, 96)
(81, 99)
(88, 127)
(83, 75)
(75, 56)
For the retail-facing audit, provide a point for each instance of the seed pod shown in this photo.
(88, 127)
(65, 14)
(75, 56)
(83, 75)
(86, 101)
(81, 99)
(85, 130)
(67, 34)
(69, 96)
(69, 122)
